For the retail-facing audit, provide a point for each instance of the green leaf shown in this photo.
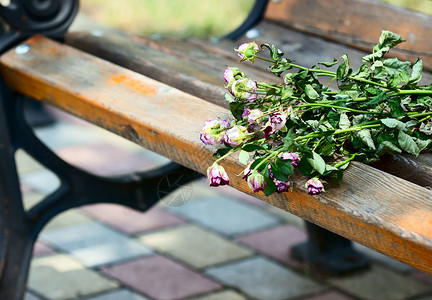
(379, 71)
(422, 144)
(363, 72)
(388, 39)
(244, 157)
(395, 105)
(237, 109)
(229, 97)
(284, 166)
(416, 73)
(317, 162)
(393, 123)
(329, 64)
(252, 147)
(305, 167)
(221, 152)
(365, 136)
(344, 122)
(394, 66)
(343, 69)
(278, 173)
(407, 143)
(391, 146)
(311, 92)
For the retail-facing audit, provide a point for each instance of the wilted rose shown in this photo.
(314, 186)
(217, 175)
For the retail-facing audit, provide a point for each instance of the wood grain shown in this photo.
(381, 211)
(174, 62)
(358, 23)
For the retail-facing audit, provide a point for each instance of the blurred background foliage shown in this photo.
(198, 18)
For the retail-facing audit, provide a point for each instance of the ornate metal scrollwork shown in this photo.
(27, 17)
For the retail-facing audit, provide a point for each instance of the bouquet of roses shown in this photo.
(301, 123)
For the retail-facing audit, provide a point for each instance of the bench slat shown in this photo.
(373, 208)
(176, 63)
(358, 23)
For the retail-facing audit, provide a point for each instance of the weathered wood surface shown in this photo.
(358, 23)
(176, 63)
(376, 209)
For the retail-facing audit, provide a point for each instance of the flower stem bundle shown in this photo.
(302, 123)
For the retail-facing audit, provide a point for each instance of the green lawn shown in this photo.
(200, 18)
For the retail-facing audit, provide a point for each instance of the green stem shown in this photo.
(340, 107)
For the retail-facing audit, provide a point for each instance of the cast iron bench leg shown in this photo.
(19, 228)
(329, 253)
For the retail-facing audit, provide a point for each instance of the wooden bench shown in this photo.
(158, 93)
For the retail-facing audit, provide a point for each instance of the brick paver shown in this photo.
(222, 214)
(195, 246)
(131, 221)
(261, 278)
(161, 278)
(62, 277)
(94, 244)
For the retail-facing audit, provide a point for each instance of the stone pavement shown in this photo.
(215, 244)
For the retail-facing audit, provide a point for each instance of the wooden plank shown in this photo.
(358, 23)
(176, 63)
(373, 208)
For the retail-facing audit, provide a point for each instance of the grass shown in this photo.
(199, 18)
(181, 18)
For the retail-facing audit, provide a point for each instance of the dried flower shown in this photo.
(217, 175)
(247, 51)
(314, 186)
(293, 157)
(256, 181)
(213, 131)
(244, 89)
(282, 186)
(235, 135)
(232, 74)
(254, 116)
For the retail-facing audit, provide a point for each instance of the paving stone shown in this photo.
(276, 242)
(117, 295)
(227, 216)
(195, 246)
(65, 134)
(161, 278)
(26, 163)
(61, 277)
(94, 244)
(42, 181)
(329, 296)
(286, 217)
(261, 278)
(31, 198)
(40, 249)
(221, 295)
(380, 283)
(233, 193)
(131, 221)
(422, 276)
(384, 259)
(66, 219)
(30, 296)
(102, 159)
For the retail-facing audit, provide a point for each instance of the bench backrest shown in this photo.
(357, 23)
